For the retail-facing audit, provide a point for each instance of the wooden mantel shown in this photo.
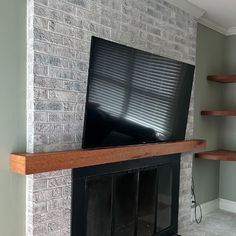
(26, 163)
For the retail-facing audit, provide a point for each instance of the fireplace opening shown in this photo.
(135, 198)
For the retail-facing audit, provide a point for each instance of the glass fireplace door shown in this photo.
(136, 202)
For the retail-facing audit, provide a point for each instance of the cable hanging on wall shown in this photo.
(197, 205)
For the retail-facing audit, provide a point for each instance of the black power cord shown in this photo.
(196, 205)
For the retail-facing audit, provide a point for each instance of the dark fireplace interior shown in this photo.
(135, 198)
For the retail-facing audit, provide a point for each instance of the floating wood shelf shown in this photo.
(218, 113)
(217, 155)
(26, 163)
(222, 78)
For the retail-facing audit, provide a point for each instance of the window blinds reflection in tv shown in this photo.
(134, 97)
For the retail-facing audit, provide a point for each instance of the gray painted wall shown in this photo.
(228, 128)
(215, 54)
(208, 95)
(12, 115)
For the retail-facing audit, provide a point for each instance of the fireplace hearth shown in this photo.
(135, 198)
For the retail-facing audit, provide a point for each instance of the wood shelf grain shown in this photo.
(222, 78)
(217, 155)
(26, 163)
(218, 113)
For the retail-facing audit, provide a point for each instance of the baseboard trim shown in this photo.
(220, 203)
(227, 205)
(207, 208)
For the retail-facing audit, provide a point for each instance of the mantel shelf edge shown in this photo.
(26, 163)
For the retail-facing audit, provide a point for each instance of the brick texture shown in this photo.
(59, 37)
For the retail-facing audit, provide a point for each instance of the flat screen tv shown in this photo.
(134, 97)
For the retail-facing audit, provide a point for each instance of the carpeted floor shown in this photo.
(217, 223)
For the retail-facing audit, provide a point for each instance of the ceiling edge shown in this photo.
(231, 31)
(212, 25)
(218, 28)
(188, 7)
(199, 14)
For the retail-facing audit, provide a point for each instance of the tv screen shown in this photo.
(134, 97)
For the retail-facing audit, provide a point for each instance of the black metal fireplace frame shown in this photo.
(80, 176)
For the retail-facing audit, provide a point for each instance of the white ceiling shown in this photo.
(219, 15)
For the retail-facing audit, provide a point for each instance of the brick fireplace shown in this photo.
(59, 37)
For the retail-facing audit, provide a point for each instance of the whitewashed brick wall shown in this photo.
(59, 36)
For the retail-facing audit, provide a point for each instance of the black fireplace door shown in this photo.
(138, 198)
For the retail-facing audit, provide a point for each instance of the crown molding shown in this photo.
(231, 31)
(212, 25)
(218, 28)
(188, 7)
(199, 14)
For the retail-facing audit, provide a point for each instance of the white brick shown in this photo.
(59, 37)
